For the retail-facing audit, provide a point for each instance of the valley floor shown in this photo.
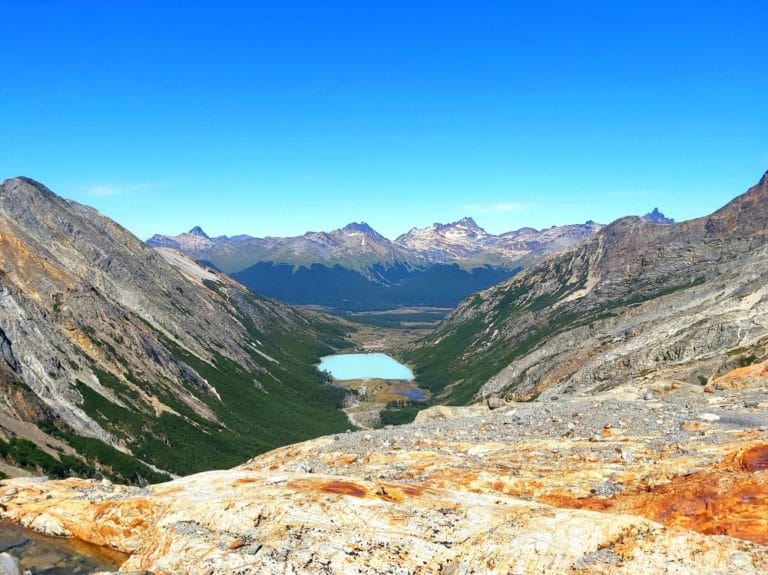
(364, 409)
(373, 395)
(369, 336)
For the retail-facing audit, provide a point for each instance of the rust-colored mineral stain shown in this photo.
(342, 488)
(245, 481)
(453, 478)
(343, 460)
(411, 490)
(724, 501)
(499, 486)
(755, 459)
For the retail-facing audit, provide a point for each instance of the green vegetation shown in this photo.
(282, 400)
(117, 420)
(396, 285)
(115, 464)
(254, 418)
(396, 320)
(26, 455)
(401, 412)
(99, 457)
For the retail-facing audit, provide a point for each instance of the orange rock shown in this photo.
(755, 375)
(528, 506)
(755, 458)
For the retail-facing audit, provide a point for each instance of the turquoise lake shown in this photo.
(364, 365)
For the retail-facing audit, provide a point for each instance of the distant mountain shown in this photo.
(357, 268)
(355, 246)
(136, 362)
(460, 240)
(194, 239)
(636, 300)
(657, 217)
(464, 240)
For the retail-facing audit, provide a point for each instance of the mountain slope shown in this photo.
(639, 299)
(394, 286)
(120, 352)
(352, 268)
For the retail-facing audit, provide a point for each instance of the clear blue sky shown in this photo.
(279, 117)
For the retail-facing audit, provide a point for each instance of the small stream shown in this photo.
(44, 555)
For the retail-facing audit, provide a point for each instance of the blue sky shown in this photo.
(273, 118)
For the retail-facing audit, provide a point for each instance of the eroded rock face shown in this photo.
(638, 300)
(611, 484)
(106, 339)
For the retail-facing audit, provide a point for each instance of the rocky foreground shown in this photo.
(666, 478)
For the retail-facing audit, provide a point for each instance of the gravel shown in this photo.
(597, 419)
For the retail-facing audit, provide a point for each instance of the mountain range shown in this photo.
(356, 268)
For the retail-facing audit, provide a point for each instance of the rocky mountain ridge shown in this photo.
(639, 299)
(122, 357)
(356, 246)
(657, 217)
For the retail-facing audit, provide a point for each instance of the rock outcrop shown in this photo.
(657, 217)
(662, 479)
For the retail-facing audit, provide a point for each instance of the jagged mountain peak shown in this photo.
(467, 222)
(361, 227)
(198, 231)
(194, 239)
(657, 217)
